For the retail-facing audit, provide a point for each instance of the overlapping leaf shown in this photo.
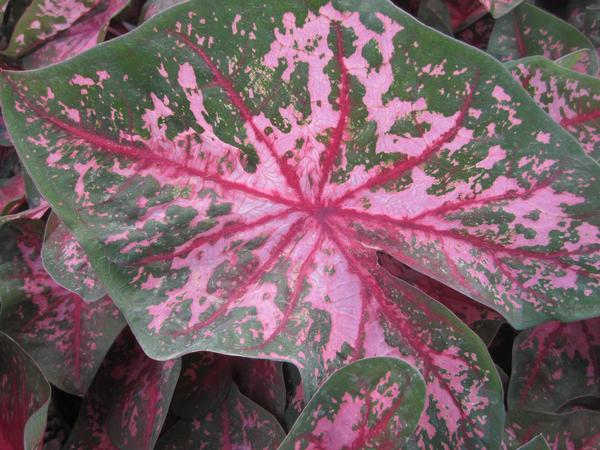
(554, 364)
(537, 443)
(235, 200)
(570, 98)
(529, 31)
(481, 319)
(67, 337)
(127, 402)
(67, 263)
(237, 423)
(153, 7)
(464, 12)
(371, 403)
(24, 398)
(498, 8)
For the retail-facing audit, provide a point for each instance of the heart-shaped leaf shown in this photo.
(24, 398)
(570, 98)
(371, 403)
(82, 34)
(575, 430)
(529, 31)
(127, 402)
(481, 319)
(67, 337)
(236, 201)
(66, 261)
(555, 363)
(237, 423)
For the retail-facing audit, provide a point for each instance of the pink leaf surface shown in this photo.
(24, 398)
(65, 335)
(127, 402)
(571, 99)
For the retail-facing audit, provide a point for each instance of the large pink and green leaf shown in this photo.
(66, 336)
(570, 98)
(24, 398)
(554, 364)
(371, 403)
(238, 422)
(529, 31)
(128, 401)
(235, 202)
(66, 261)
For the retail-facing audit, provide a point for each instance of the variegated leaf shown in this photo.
(537, 443)
(570, 98)
(127, 402)
(235, 203)
(585, 16)
(498, 8)
(578, 430)
(464, 13)
(435, 14)
(31, 213)
(371, 403)
(577, 61)
(481, 319)
(529, 31)
(24, 398)
(555, 363)
(67, 337)
(82, 34)
(153, 7)
(66, 261)
(238, 423)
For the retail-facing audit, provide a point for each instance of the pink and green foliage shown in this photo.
(372, 403)
(24, 398)
(67, 263)
(529, 31)
(67, 337)
(578, 430)
(128, 401)
(237, 422)
(570, 98)
(481, 319)
(498, 8)
(556, 366)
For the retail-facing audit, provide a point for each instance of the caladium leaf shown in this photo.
(585, 16)
(537, 443)
(575, 430)
(529, 31)
(81, 35)
(24, 398)
(577, 61)
(498, 8)
(31, 213)
(237, 423)
(127, 402)
(481, 319)
(67, 337)
(66, 262)
(153, 7)
(464, 13)
(554, 363)
(570, 98)
(371, 403)
(435, 14)
(240, 211)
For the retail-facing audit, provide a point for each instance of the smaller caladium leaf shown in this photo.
(578, 430)
(128, 401)
(585, 16)
(371, 403)
(238, 423)
(577, 61)
(435, 13)
(205, 381)
(66, 261)
(80, 36)
(570, 98)
(153, 7)
(498, 8)
(32, 213)
(24, 398)
(464, 13)
(478, 33)
(529, 31)
(262, 381)
(537, 443)
(66, 336)
(481, 319)
(555, 363)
